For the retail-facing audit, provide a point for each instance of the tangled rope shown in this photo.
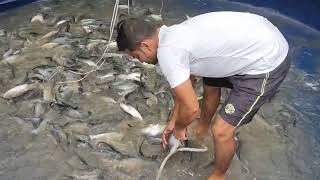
(98, 66)
(175, 144)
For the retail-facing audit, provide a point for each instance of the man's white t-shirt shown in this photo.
(220, 44)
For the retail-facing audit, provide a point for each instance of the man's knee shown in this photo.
(221, 130)
(211, 93)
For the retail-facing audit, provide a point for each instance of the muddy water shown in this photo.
(55, 141)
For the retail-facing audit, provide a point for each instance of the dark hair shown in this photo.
(132, 30)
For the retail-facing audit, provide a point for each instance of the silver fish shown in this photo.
(108, 99)
(151, 98)
(49, 45)
(110, 75)
(112, 46)
(10, 59)
(153, 130)
(89, 63)
(108, 55)
(105, 137)
(8, 53)
(3, 32)
(19, 90)
(60, 23)
(123, 7)
(38, 18)
(131, 110)
(132, 76)
(48, 117)
(39, 109)
(156, 17)
(49, 35)
(124, 87)
(94, 43)
(86, 175)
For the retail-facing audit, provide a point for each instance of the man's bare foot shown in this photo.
(201, 129)
(216, 177)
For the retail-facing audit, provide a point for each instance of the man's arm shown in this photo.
(175, 115)
(187, 107)
(176, 101)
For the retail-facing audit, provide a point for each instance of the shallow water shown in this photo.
(281, 143)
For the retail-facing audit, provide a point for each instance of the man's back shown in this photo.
(222, 44)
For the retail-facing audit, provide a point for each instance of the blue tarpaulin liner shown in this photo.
(304, 11)
(8, 4)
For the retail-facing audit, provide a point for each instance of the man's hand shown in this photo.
(167, 132)
(180, 134)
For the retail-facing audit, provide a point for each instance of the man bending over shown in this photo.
(241, 51)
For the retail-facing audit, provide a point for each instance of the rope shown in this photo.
(128, 6)
(175, 149)
(113, 22)
(161, 7)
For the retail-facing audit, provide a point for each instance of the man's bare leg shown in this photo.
(211, 100)
(224, 147)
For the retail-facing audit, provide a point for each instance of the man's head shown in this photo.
(139, 37)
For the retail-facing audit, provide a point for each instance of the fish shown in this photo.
(19, 90)
(72, 113)
(42, 73)
(87, 29)
(112, 46)
(47, 119)
(89, 63)
(37, 18)
(156, 17)
(105, 138)
(175, 146)
(86, 175)
(153, 130)
(49, 35)
(77, 128)
(123, 7)
(39, 109)
(10, 59)
(49, 45)
(3, 32)
(125, 87)
(102, 41)
(92, 22)
(132, 76)
(63, 25)
(48, 92)
(7, 53)
(108, 99)
(110, 75)
(85, 22)
(131, 110)
(109, 55)
(151, 98)
(59, 23)
(94, 43)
